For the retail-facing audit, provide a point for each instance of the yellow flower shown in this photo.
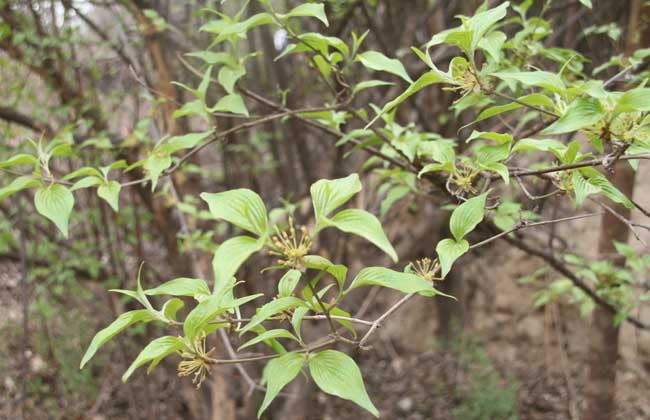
(290, 246)
(198, 364)
(427, 269)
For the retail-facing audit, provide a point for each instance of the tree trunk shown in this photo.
(603, 335)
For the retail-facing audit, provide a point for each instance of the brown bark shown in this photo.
(604, 335)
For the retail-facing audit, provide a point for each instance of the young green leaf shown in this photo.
(425, 80)
(182, 286)
(18, 184)
(448, 252)
(582, 188)
(156, 164)
(171, 307)
(316, 10)
(241, 207)
(154, 352)
(337, 374)
(55, 202)
(19, 159)
(202, 314)
(270, 309)
(232, 103)
(380, 276)
(187, 141)
(277, 374)
(117, 326)
(329, 194)
(338, 271)
(466, 216)
(231, 255)
(377, 61)
(581, 113)
(288, 283)
(110, 192)
(268, 335)
(366, 225)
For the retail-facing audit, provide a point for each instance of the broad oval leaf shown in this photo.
(18, 184)
(182, 286)
(380, 276)
(154, 352)
(117, 326)
(270, 309)
(328, 194)
(268, 335)
(277, 374)
(288, 283)
(231, 255)
(241, 207)
(581, 113)
(110, 192)
(316, 10)
(337, 374)
(448, 252)
(466, 216)
(338, 271)
(55, 202)
(202, 314)
(375, 60)
(366, 225)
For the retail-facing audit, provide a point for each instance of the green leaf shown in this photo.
(55, 203)
(270, 309)
(366, 225)
(171, 307)
(18, 184)
(202, 314)
(182, 286)
(297, 317)
(123, 321)
(425, 80)
(19, 159)
(337, 374)
(481, 22)
(380, 276)
(634, 100)
(155, 164)
(449, 251)
(232, 103)
(268, 335)
(366, 84)
(377, 61)
(231, 255)
(581, 113)
(597, 179)
(228, 77)
(288, 283)
(542, 79)
(587, 3)
(241, 207)
(187, 141)
(492, 43)
(277, 374)
(466, 216)
(543, 145)
(154, 352)
(110, 192)
(316, 10)
(329, 194)
(338, 271)
(582, 188)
